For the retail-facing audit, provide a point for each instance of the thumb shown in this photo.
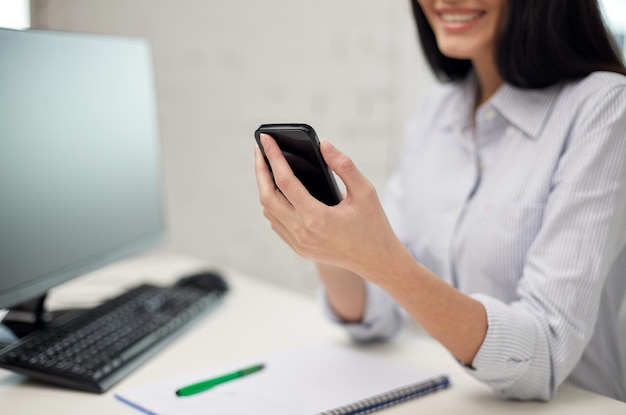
(344, 167)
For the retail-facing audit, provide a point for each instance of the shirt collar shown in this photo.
(526, 109)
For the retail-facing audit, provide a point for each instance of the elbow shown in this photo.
(526, 381)
(519, 392)
(376, 330)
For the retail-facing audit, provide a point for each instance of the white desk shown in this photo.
(256, 318)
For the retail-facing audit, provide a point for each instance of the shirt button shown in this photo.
(481, 166)
(510, 131)
(490, 113)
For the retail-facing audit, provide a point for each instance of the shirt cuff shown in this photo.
(382, 317)
(510, 359)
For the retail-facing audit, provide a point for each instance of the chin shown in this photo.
(455, 53)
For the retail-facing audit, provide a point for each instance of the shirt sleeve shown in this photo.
(534, 343)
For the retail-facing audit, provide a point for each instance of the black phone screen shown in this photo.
(300, 146)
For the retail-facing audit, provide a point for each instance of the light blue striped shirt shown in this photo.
(521, 205)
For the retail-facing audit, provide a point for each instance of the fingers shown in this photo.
(277, 209)
(264, 180)
(345, 168)
(284, 179)
(269, 196)
(281, 215)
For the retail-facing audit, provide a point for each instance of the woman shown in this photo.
(503, 231)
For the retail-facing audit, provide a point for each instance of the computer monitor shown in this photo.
(80, 173)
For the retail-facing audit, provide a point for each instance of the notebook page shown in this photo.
(302, 381)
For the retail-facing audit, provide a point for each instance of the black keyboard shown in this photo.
(99, 347)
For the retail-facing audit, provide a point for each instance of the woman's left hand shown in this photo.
(354, 234)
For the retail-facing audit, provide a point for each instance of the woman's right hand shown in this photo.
(354, 234)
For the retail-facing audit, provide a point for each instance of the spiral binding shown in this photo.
(391, 398)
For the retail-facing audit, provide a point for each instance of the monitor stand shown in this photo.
(30, 315)
(27, 316)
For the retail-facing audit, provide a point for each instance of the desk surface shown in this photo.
(256, 318)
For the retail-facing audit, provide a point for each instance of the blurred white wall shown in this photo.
(350, 68)
(15, 14)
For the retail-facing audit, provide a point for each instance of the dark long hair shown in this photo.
(542, 42)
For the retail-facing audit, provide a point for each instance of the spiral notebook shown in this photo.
(318, 379)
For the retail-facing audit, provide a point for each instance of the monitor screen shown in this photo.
(79, 157)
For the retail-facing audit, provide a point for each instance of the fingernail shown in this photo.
(264, 138)
(328, 147)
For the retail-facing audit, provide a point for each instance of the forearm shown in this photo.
(345, 292)
(456, 320)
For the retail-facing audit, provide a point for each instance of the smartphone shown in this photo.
(301, 148)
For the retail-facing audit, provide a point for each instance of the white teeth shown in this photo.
(459, 18)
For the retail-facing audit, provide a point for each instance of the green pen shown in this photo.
(208, 384)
